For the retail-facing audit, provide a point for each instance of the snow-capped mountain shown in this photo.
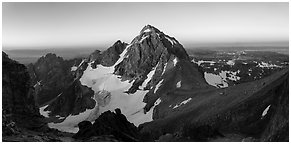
(132, 77)
(152, 83)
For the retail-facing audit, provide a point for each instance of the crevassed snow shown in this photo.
(43, 112)
(265, 111)
(178, 85)
(131, 105)
(183, 102)
(158, 85)
(74, 68)
(103, 79)
(175, 61)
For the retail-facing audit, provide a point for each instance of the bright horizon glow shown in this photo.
(77, 25)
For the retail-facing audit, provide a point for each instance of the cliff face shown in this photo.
(17, 94)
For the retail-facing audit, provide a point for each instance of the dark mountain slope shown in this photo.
(17, 94)
(235, 110)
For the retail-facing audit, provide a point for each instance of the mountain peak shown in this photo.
(149, 28)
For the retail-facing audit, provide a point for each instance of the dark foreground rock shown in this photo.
(110, 125)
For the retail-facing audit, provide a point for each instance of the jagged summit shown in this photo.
(149, 28)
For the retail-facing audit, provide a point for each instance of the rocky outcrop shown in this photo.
(108, 57)
(18, 97)
(50, 74)
(108, 123)
(160, 58)
(72, 101)
(111, 55)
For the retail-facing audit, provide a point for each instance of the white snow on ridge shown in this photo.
(149, 76)
(265, 111)
(158, 85)
(170, 40)
(143, 38)
(43, 112)
(121, 56)
(147, 30)
(164, 70)
(183, 102)
(81, 62)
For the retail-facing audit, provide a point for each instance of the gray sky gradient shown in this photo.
(53, 25)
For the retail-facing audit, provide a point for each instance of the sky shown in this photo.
(76, 25)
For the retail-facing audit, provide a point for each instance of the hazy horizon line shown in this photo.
(186, 45)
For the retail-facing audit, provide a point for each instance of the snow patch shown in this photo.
(183, 102)
(158, 85)
(37, 84)
(81, 62)
(202, 61)
(175, 61)
(221, 79)
(149, 76)
(215, 80)
(74, 68)
(231, 62)
(265, 111)
(178, 85)
(164, 70)
(143, 38)
(267, 65)
(43, 112)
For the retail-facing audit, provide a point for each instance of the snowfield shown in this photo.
(221, 79)
(110, 94)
